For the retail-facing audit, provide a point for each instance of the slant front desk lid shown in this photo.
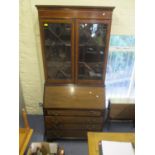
(74, 97)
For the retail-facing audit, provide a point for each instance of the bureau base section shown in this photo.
(69, 127)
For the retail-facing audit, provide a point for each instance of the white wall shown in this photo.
(31, 67)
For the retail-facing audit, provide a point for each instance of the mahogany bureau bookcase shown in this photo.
(74, 42)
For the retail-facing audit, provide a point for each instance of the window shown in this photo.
(120, 67)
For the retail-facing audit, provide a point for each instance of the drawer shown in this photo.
(73, 126)
(73, 112)
(69, 119)
(66, 134)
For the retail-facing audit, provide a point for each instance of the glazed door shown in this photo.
(91, 48)
(58, 50)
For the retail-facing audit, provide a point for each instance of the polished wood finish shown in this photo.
(73, 126)
(73, 106)
(69, 119)
(66, 134)
(85, 81)
(69, 21)
(72, 112)
(25, 134)
(75, 12)
(24, 115)
(122, 111)
(111, 8)
(75, 15)
(24, 138)
(95, 137)
(74, 97)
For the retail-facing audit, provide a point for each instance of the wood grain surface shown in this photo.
(74, 97)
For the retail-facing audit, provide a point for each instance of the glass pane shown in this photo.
(58, 50)
(120, 73)
(92, 39)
